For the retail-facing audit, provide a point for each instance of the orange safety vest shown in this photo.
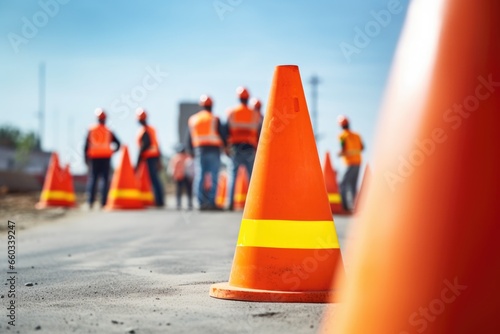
(243, 124)
(203, 129)
(153, 151)
(352, 147)
(100, 139)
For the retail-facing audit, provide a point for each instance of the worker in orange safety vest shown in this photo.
(149, 151)
(98, 151)
(351, 147)
(205, 139)
(243, 131)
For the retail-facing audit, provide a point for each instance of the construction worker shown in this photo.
(149, 151)
(351, 147)
(205, 140)
(243, 130)
(182, 171)
(98, 151)
(256, 106)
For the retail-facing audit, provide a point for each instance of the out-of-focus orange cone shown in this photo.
(57, 188)
(364, 188)
(427, 255)
(332, 187)
(124, 190)
(221, 194)
(240, 188)
(68, 184)
(145, 188)
(287, 249)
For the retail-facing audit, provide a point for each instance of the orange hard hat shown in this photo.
(242, 93)
(255, 103)
(141, 114)
(205, 101)
(343, 121)
(101, 115)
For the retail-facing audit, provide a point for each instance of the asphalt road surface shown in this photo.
(138, 272)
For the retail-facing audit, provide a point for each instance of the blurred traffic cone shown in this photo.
(332, 188)
(221, 194)
(287, 249)
(240, 188)
(68, 184)
(363, 189)
(427, 260)
(124, 190)
(145, 188)
(57, 188)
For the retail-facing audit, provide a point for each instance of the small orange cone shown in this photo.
(57, 188)
(145, 188)
(240, 188)
(221, 194)
(427, 258)
(68, 184)
(287, 249)
(332, 187)
(124, 191)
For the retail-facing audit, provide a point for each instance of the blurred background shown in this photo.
(61, 59)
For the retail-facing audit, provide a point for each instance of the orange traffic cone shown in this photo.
(287, 249)
(427, 260)
(145, 188)
(57, 188)
(124, 191)
(68, 184)
(221, 194)
(240, 188)
(332, 187)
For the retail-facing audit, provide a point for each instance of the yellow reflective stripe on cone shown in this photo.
(125, 193)
(240, 197)
(147, 196)
(334, 198)
(48, 195)
(288, 234)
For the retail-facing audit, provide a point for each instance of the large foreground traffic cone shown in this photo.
(427, 255)
(221, 194)
(124, 190)
(287, 249)
(145, 187)
(240, 188)
(57, 190)
(332, 186)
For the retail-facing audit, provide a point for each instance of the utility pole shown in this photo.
(314, 81)
(41, 103)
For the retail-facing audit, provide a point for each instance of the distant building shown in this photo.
(25, 175)
(35, 163)
(186, 109)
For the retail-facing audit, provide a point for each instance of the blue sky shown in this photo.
(98, 51)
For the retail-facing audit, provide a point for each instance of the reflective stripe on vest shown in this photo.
(243, 126)
(99, 142)
(152, 151)
(203, 127)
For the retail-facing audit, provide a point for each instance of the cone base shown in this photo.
(44, 205)
(123, 207)
(226, 291)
